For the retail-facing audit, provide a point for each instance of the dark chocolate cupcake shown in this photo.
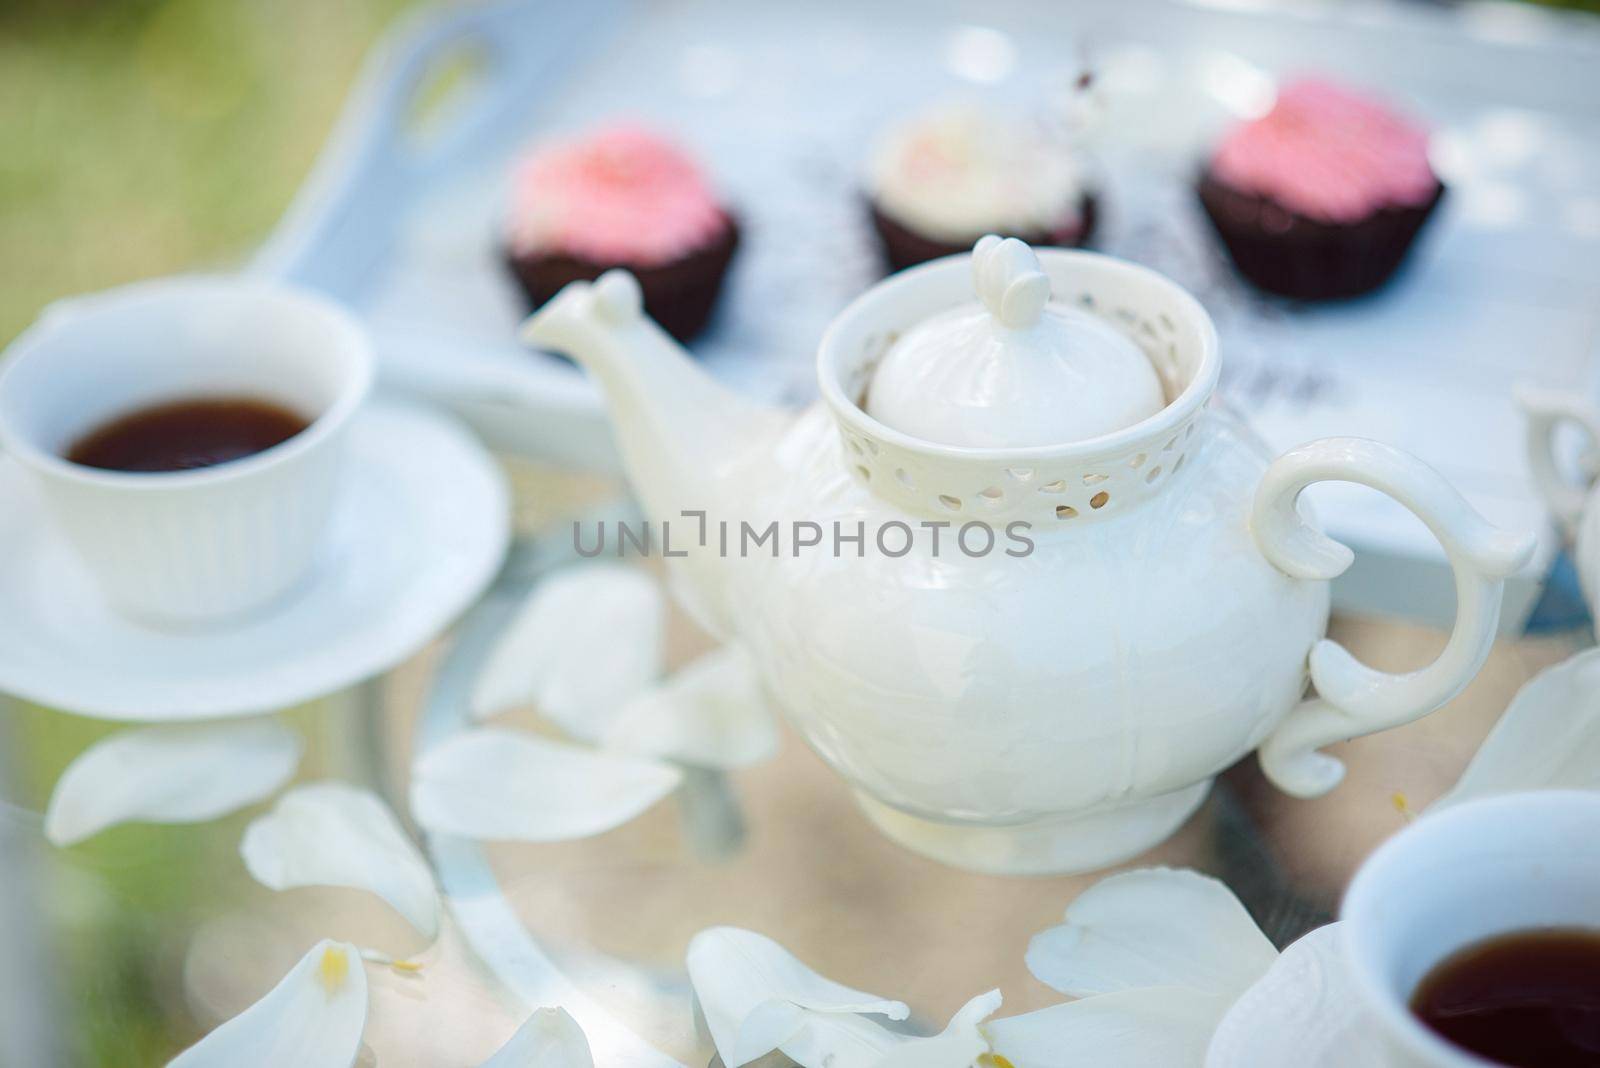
(1322, 197)
(622, 197)
(952, 175)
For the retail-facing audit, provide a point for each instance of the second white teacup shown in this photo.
(203, 544)
(1457, 877)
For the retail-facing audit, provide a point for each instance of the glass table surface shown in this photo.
(150, 935)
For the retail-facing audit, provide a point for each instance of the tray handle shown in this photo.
(340, 223)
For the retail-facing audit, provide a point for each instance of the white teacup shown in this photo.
(1459, 876)
(203, 544)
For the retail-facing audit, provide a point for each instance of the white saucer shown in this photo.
(1304, 1012)
(421, 531)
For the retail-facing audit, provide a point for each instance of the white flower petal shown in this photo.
(549, 1039)
(837, 1040)
(1548, 738)
(958, 1046)
(587, 639)
(171, 774)
(333, 834)
(1153, 1027)
(757, 997)
(503, 784)
(1152, 927)
(1309, 995)
(713, 713)
(313, 1018)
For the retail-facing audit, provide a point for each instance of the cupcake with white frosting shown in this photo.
(950, 175)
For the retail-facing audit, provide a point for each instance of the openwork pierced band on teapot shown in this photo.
(1067, 391)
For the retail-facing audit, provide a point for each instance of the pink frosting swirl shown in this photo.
(622, 195)
(1328, 154)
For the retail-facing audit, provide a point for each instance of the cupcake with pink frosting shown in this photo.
(621, 197)
(1323, 196)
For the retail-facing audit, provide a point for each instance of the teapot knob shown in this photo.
(1009, 280)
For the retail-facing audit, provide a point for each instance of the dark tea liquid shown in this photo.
(186, 434)
(1529, 999)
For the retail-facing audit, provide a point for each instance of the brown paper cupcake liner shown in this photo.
(1292, 255)
(904, 247)
(679, 295)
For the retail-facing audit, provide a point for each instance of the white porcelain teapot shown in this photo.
(1152, 602)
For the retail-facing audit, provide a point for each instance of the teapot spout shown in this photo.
(685, 439)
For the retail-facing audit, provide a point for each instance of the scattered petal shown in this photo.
(549, 1039)
(712, 714)
(403, 965)
(838, 1040)
(332, 834)
(958, 1046)
(171, 774)
(503, 784)
(757, 997)
(313, 1018)
(1308, 993)
(587, 639)
(1548, 737)
(1152, 927)
(1152, 1027)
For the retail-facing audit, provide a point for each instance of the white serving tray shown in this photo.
(781, 101)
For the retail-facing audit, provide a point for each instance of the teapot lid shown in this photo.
(1012, 370)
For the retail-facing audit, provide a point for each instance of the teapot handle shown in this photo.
(1352, 698)
(1547, 410)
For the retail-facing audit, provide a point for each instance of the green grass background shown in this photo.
(141, 137)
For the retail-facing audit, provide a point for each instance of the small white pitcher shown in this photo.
(1571, 500)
